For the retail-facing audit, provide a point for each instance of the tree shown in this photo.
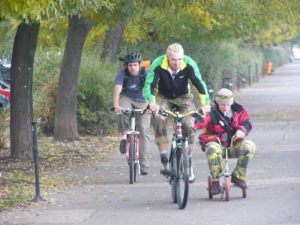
(111, 44)
(26, 14)
(113, 36)
(65, 123)
(21, 86)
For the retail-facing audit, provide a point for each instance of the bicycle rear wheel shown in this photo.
(131, 163)
(227, 188)
(182, 177)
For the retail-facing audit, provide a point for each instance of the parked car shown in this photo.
(4, 101)
(5, 72)
(4, 94)
(5, 89)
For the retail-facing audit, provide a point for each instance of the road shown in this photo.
(274, 176)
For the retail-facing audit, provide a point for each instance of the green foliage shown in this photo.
(95, 96)
(47, 40)
(259, 22)
(24, 10)
(4, 127)
(7, 33)
(278, 55)
(45, 86)
(35, 11)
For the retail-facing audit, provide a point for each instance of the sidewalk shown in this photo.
(274, 176)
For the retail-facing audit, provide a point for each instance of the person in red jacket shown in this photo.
(228, 121)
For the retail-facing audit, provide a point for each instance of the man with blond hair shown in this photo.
(167, 84)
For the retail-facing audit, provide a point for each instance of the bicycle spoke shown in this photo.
(182, 178)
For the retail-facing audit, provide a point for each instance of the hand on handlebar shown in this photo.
(239, 135)
(117, 109)
(206, 109)
(153, 107)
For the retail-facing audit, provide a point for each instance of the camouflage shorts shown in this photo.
(185, 104)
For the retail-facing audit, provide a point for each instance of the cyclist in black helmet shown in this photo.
(128, 88)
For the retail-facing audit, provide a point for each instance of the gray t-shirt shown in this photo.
(132, 85)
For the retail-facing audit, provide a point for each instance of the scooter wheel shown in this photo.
(227, 188)
(209, 184)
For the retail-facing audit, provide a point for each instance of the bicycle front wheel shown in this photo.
(173, 180)
(131, 163)
(182, 177)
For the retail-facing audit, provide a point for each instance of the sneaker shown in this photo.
(123, 146)
(191, 174)
(165, 170)
(144, 170)
(165, 165)
(238, 182)
(215, 188)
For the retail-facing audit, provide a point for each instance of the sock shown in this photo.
(164, 156)
(190, 159)
(124, 137)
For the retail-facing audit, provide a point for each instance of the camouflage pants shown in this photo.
(142, 124)
(243, 150)
(185, 104)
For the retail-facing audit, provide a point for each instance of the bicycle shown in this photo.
(132, 142)
(225, 176)
(178, 160)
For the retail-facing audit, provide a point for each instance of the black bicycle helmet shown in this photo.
(132, 57)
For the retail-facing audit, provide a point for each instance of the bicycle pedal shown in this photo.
(166, 172)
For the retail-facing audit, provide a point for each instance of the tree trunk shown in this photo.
(21, 87)
(65, 122)
(113, 36)
(111, 45)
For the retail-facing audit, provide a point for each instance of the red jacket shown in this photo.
(214, 128)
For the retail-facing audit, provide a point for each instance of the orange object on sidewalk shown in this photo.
(268, 68)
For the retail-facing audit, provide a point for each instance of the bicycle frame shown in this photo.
(179, 158)
(225, 175)
(133, 132)
(132, 142)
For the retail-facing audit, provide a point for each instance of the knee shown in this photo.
(213, 150)
(192, 132)
(248, 148)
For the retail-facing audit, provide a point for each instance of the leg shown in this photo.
(213, 153)
(123, 122)
(161, 132)
(244, 151)
(143, 125)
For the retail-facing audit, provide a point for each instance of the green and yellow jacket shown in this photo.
(160, 81)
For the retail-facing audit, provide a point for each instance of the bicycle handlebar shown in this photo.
(167, 112)
(128, 111)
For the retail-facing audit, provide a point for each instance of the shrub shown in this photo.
(95, 96)
(45, 85)
(278, 55)
(4, 127)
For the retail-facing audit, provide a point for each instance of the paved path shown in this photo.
(274, 177)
